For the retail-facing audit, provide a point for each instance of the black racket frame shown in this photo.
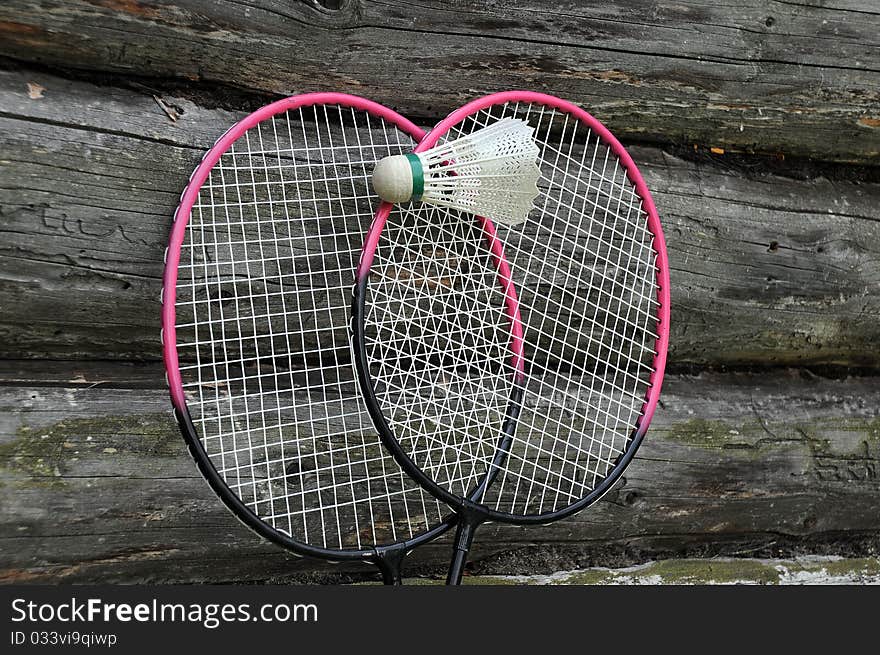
(469, 512)
(387, 558)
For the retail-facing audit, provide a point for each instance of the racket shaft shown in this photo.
(464, 537)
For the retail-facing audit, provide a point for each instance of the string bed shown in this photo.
(439, 340)
(584, 266)
(263, 297)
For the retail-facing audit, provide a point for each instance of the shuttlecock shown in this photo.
(491, 172)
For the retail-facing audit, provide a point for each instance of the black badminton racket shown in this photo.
(518, 391)
(255, 319)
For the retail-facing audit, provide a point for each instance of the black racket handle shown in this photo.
(464, 537)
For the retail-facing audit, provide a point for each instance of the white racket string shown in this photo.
(263, 300)
(584, 268)
(438, 341)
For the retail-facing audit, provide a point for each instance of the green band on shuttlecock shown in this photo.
(418, 176)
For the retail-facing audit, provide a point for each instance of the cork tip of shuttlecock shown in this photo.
(393, 179)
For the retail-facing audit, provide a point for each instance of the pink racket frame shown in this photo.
(384, 556)
(655, 381)
(191, 193)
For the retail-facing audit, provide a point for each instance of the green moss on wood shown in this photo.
(872, 431)
(697, 571)
(704, 433)
(42, 453)
(727, 571)
(754, 436)
(35, 452)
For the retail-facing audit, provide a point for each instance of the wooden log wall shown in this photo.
(757, 128)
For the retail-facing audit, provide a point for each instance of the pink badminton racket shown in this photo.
(255, 329)
(513, 370)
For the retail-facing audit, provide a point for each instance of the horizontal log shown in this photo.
(734, 463)
(693, 571)
(759, 76)
(767, 267)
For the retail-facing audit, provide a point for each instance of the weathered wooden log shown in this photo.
(743, 570)
(767, 268)
(760, 76)
(98, 486)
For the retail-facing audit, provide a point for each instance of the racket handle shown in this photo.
(464, 537)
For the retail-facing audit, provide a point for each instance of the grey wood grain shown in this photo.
(98, 486)
(767, 268)
(795, 78)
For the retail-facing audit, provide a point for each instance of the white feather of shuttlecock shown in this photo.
(491, 172)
